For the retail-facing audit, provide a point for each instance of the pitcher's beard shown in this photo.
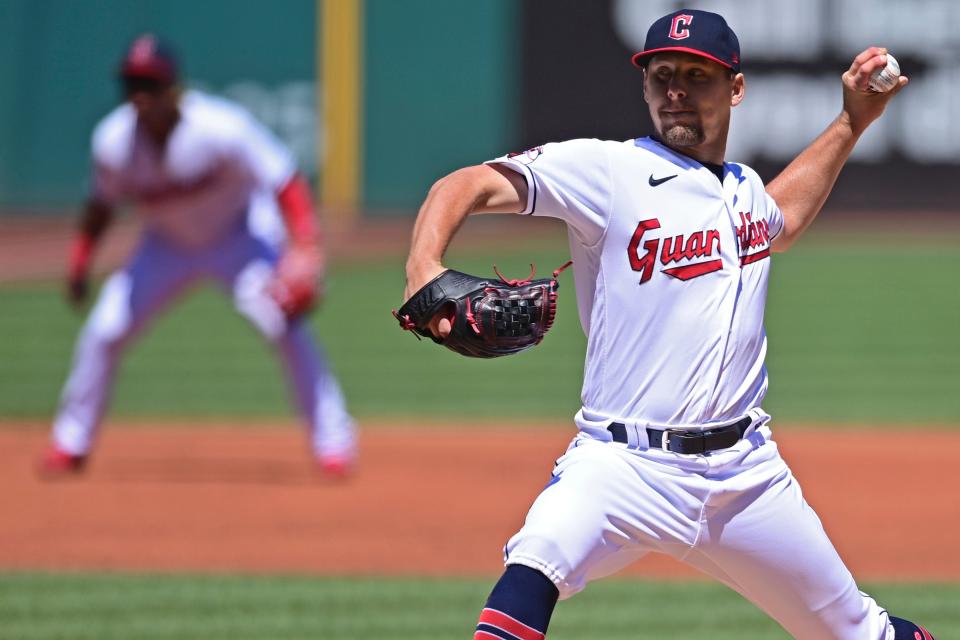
(684, 135)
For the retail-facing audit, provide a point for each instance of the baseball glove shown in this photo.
(488, 318)
(296, 282)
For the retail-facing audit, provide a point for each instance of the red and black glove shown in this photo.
(297, 282)
(488, 317)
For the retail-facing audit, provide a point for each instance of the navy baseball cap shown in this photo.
(149, 58)
(692, 31)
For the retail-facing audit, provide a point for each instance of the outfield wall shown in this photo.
(450, 83)
(58, 59)
(439, 84)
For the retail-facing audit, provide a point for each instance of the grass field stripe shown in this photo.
(511, 625)
(340, 65)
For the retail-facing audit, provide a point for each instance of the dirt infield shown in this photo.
(425, 501)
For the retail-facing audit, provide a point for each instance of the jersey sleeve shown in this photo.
(771, 213)
(774, 216)
(567, 180)
(270, 161)
(108, 143)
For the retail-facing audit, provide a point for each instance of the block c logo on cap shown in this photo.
(143, 49)
(679, 28)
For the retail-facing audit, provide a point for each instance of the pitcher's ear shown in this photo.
(738, 90)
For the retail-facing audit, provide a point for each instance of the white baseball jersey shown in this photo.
(216, 159)
(671, 272)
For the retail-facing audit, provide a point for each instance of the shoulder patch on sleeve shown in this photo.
(526, 157)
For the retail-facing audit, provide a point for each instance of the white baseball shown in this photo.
(882, 80)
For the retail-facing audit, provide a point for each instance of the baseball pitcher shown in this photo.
(672, 248)
(207, 179)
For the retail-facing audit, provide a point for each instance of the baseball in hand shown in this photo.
(882, 80)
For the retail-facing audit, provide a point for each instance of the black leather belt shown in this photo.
(684, 441)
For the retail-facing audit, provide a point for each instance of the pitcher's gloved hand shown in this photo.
(488, 317)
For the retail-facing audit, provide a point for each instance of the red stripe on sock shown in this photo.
(510, 625)
(483, 635)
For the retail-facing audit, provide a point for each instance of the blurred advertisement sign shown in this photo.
(794, 52)
(793, 55)
(288, 109)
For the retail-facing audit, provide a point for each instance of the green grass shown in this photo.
(121, 607)
(856, 334)
(865, 333)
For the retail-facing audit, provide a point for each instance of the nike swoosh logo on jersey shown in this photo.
(656, 182)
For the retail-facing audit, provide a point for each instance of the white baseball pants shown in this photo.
(158, 272)
(737, 514)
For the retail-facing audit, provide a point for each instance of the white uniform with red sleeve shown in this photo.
(671, 268)
(208, 205)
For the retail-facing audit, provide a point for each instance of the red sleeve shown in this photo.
(80, 254)
(297, 208)
(95, 219)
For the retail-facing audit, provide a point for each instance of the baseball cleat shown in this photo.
(58, 463)
(335, 467)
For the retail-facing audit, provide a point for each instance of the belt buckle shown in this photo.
(665, 437)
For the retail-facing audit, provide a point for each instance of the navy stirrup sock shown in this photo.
(906, 630)
(519, 607)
